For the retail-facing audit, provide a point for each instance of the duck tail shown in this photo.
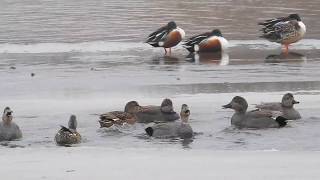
(149, 131)
(281, 121)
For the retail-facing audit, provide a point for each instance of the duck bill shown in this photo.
(227, 106)
(295, 102)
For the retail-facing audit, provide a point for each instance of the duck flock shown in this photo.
(167, 122)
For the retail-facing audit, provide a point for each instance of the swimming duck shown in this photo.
(207, 42)
(162, 113)
(285, 107)
(68, 136)
(167, 36)
(8, 129)
(173, 129)
(252, 119)
(284, 30)
(120, 117)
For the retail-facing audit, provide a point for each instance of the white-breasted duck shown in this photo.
(284, 30)
(167, 36)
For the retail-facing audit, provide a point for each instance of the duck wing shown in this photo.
(281, 31)
(65, 129)
(272, 106)
(189, 44)
(157, 36)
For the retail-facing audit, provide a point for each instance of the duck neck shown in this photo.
(7, 120)
(185, 119)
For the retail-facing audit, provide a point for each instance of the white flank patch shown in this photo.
(196, 48)
(161, 43)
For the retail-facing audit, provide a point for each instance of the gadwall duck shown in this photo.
(173, 129)
(207, 42)
(8, 129)
(120, 117)
(252, 119)
(167, 36)
(163, 113)
(285, 107)
(284, 30)
(68, 136)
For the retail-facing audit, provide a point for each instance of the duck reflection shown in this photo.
(219, 58)
(165, 60)
(286, 57)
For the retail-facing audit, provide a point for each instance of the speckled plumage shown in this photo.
(68, 136)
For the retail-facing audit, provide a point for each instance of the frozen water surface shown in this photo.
(88, 58)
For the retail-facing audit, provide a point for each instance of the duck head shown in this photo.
(166, 102)
(131, 107)
(172, 25)
(72, 124)
(7, 115)
(216, 32)
(295, 16)
(288, 100)
(238, 103)
(185, 112)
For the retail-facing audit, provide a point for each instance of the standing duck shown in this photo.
(9, 130)
(252, 119)
(284, 30)
(68, 136)
(167, 36)
(173, 129)
(285, 107)
(207, 42)
(120, 117)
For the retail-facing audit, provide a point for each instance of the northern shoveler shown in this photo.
(253, 119)
(120, 117)
(284, 30)
(207, 42)
(167, 36)
(173, 129)
(67, 136)
(8, 129)
(285, 107)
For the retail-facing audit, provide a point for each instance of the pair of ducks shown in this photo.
(283, 30)
(165, 118)
(267, 115)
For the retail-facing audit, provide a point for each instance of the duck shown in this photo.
(174, 129)
(285, 107)
(9, 130)
(167, 36)
(162, 113)
(120, 117)
(208, 42)
(253, 119)
(284, 30)
(68, 136)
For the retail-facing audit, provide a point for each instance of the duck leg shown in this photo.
(286, 50)
(165, 51)
(170, 51)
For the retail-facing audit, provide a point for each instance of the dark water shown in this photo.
(88, 58)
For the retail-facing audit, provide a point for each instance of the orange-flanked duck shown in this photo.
(207, 42)
(284, 30)
(167, 36)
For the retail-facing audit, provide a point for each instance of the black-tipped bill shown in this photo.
(227, 106)
(295, 102)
